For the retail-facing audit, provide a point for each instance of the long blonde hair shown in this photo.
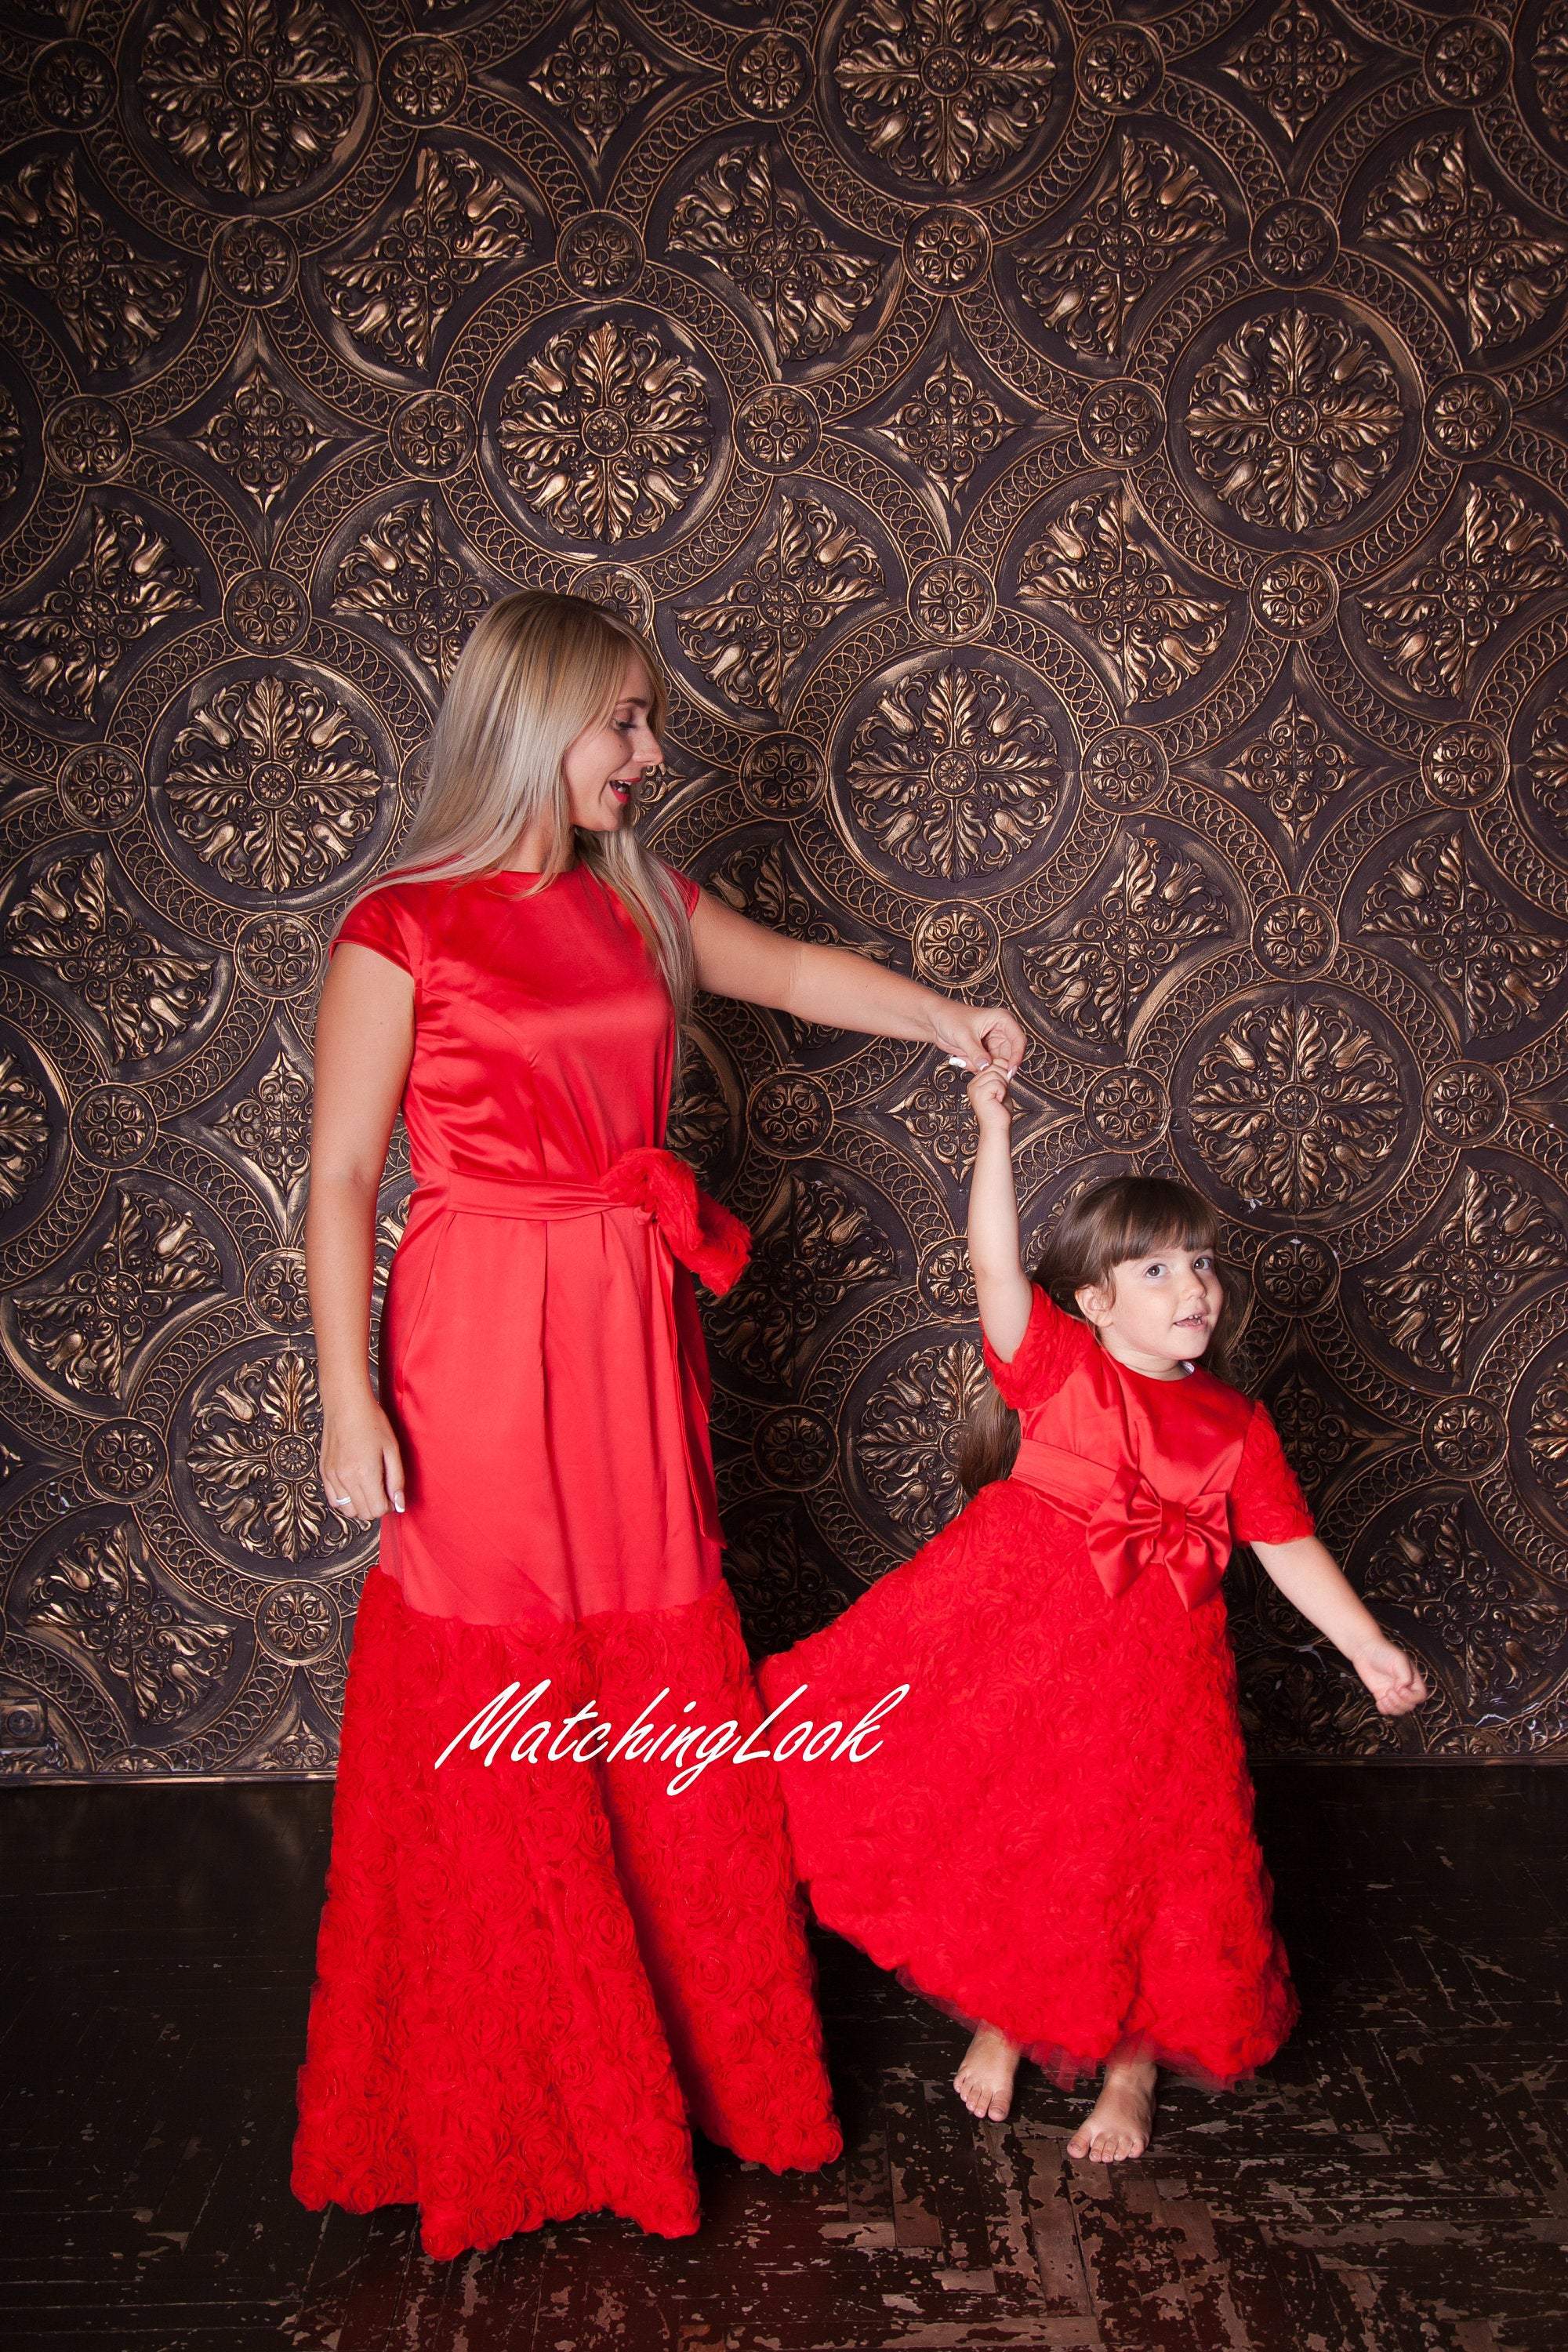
(537, 671)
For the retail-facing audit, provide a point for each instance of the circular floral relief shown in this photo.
(954, 946)
(253, 103)
(72, 85)
(1467, 62)
(791, 1114)
(1296, 421)
(946, 92)
(795, 1448)
(123, 1458)
(1294, 241)
(1120, 422)
(947, 249)
(86, 440)
(1465, 763)
(255, 262)
(100, 785)
(1296, 1105)
(297, 1621)
(1466, 1103)
(1464, 1437)
(265, 611)
(1293, 937)
(600, 253)
(777, 429)
(1546, 1436)
(1126, 1110)
(113, 1126)
(1295, 596)
(433, 434)
(1295, 1273)
(769, 76)
(1467, 415)
(782, 774)
(951, 601)
(955, 773)
(1120, 68)
(423, 78)
(605, 432)
(1125, 769)
(946, 1280)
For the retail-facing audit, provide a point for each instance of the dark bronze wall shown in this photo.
(1100, 490)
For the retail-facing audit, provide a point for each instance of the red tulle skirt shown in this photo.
(1055, 1835)
(534, 1978)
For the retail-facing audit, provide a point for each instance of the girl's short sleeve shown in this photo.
(1052, 1344)
(1267, 1505)
(690, 890)
(384, 920)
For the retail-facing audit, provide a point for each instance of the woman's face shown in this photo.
(604, 764)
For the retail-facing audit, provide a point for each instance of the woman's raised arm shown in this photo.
(841, 989)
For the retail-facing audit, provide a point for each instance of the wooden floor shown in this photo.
(1398, 2178)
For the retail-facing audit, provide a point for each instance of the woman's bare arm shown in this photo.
(364, 1043)
(839, 988)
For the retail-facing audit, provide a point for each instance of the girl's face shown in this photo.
(604, 764)
(1157, 1312)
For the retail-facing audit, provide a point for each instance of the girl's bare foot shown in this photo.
(1122, 2118)
(985, 2081)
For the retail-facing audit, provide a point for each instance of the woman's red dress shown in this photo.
(533, 1977)
(1054, 1836)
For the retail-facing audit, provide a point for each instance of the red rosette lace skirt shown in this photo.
(532, 1979)
(1055, 1835)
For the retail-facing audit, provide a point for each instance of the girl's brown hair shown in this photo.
(538, 668)
(1126, 1217)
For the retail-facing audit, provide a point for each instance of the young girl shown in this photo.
(1054, 1840)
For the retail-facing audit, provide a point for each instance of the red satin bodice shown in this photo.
(1159, 1473)
(542, 1354)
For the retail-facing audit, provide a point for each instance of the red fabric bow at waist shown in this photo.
(695, 1228)
(1128, 1525)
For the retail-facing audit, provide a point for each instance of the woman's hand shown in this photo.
(1391, 1675)
(990, 1101)
(977, 1034)
(361, 1461)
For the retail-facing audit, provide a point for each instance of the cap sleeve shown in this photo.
(384, 920)
(690, 890)
(1267, 1505)
(1050, 1347)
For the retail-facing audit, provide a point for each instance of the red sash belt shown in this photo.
(693, 1226)
(1127, 1525)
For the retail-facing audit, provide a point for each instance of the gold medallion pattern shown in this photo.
(1100, 488)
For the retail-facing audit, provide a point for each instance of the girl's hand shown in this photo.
(361, 1461)
(1393, 1677)
(975, 1035)
(990, 1101)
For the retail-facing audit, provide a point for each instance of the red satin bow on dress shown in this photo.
(694, 1227)
(1128, 1526)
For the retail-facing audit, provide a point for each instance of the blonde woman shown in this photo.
(538, 1967)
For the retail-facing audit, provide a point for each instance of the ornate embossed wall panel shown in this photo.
(1100, 488)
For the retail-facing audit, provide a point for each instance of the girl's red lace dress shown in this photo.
(534, 1977)
(1055, 1836)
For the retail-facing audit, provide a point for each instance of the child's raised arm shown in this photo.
(1002, 1289)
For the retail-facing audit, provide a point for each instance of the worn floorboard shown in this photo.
(1396, 2181)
